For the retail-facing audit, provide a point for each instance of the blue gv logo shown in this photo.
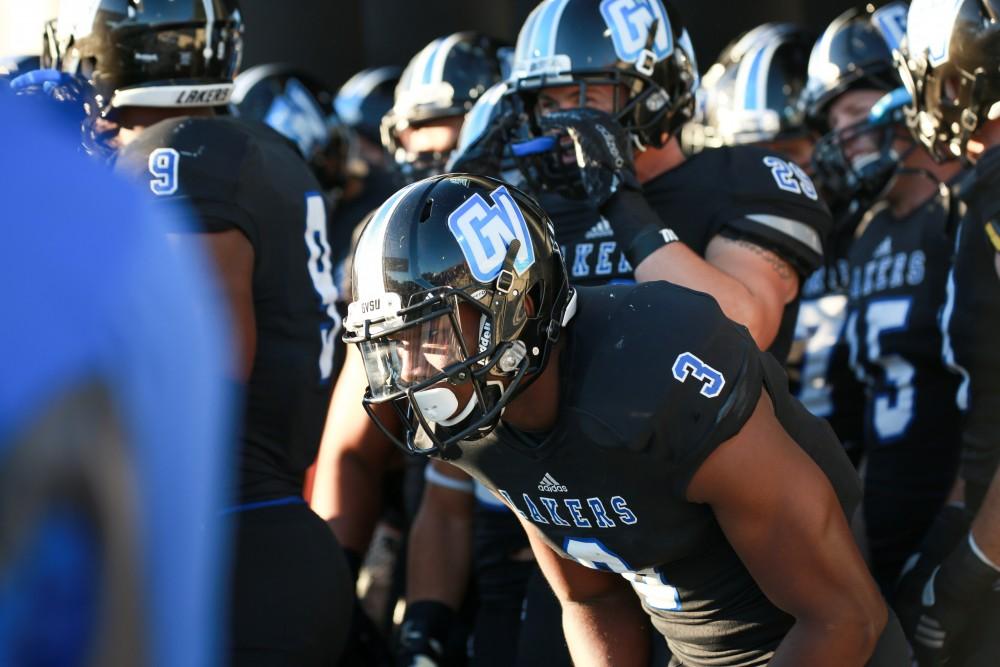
(484, 232)
(629, 21)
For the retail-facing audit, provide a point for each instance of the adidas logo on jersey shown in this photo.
(601, 230)
(550, 485)
(883, 248)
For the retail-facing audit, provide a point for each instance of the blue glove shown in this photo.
(51, 82)
(74, 99)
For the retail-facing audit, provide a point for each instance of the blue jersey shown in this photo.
(98, 294)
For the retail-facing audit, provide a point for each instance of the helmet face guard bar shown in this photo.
(654, 98)
(436, 305)
(868, 181)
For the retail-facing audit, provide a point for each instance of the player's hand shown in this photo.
(423, 635)
(75, 99)
(51, 82)
(597, 146)
(936, 603)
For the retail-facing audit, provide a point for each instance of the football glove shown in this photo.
(596, 150)
(424, 633)
(936, 602)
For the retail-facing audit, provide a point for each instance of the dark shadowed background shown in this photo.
(335, 38)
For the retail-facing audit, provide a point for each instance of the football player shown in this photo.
(439, 85)
(299, 106)
(149, 61)
(751, 95)
(745, 224)
(290, 589)
(593, 156)
(701, 481)
(116, 436)
(949, 600)
(362, 102)
(898, 262)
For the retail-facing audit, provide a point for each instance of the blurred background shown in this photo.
(336, 38)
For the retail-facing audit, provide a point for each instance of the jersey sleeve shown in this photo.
(207, 186)
(714, 384)
(774, 204)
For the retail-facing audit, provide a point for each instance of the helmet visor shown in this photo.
(411, 357)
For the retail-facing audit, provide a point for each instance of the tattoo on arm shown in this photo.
(780, 266)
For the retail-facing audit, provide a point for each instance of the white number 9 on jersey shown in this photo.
(163, 163)
(321, 271)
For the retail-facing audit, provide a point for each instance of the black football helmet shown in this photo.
(365, 98)
(581, 42)
(484, 142)
(73, 99)
(950, 63)
(856, 52)
(751, 93)
(300, 107)
(148, 53)
(436, 244)
(443, 80)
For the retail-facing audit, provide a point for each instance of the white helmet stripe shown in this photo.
(523, 47)
(370, 280)
(441, 57)
(209, 25)
(560, 6)
(751, 78)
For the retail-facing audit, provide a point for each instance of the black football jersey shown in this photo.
(817, 366)
(607, 486)
(898, 274)
(971, 322)
(348, 214)
(588, 241)
(234, 175)
(746, 192)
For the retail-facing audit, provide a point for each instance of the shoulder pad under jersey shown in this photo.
(772, 202)
(659, 368)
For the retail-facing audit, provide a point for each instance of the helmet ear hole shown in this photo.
(533, 300)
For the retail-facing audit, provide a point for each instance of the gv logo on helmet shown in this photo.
(629, 21)
(484, 232)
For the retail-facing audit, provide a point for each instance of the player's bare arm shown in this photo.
(353, 456)
(752, 284)
(440, 547)
(602, 619)
(782, 517)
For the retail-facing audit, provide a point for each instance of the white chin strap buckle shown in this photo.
(437, 404)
